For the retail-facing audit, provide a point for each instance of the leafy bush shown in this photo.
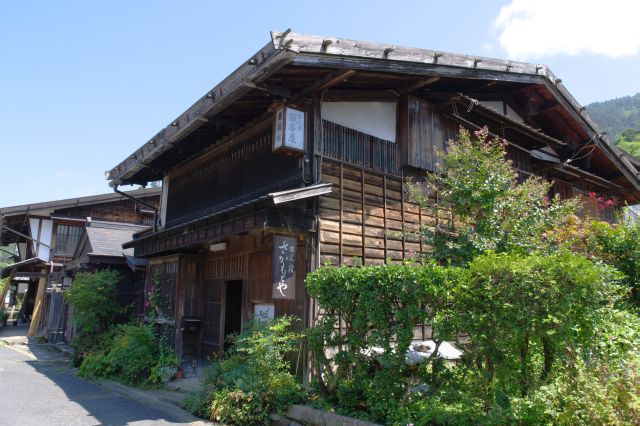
(238, 407)
(494, 209)
(618, 245)
(129, 355)
(93, 299)
(531, 321)
(254, 378)
(379, 307)
(520, 311)
(166, 365)
(597, 387)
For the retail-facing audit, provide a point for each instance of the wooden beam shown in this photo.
(270, 88)
(225, 122)
(359, 95)
(546, 107)
(412, 68)
(419, 85)
(38, 243)
(333, 79)
(39, 301)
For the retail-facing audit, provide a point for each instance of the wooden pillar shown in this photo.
(5, 290)
(37, 308)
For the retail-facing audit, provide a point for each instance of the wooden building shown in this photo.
(298, 158)
(47, 236)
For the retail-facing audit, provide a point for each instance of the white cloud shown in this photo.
(538, 28)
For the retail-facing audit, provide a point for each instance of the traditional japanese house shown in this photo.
(299, 156)
(100, 248)
(47, 236)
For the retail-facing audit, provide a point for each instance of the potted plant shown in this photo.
(166, 373)
(167, 365)
(4, 315)
(179, 373)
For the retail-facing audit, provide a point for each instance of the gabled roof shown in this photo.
(107, 238)
(293, 66)
(102, 242)
(16, 217)
(48, 207)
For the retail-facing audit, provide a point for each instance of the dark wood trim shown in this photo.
(341, 257)
(419, 85)
(360, 96)
(411, 68)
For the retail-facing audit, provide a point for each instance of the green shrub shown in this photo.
(619, 246)
(167, 363)
(238, 407)
(254, 379)
(198, 403)
(522, 311)
(527, 316)
(129, 356)
(600, 386)
(92, 297)
(379, 307)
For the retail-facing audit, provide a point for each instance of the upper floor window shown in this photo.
(67, 237)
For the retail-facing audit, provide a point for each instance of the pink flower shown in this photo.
(481, 133)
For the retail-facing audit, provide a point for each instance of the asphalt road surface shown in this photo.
(38, 387)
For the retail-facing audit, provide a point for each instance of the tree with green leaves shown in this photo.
(92, 297)
(492, 209)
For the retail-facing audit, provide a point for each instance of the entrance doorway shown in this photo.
(233, 309)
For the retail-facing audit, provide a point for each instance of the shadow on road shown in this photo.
(47, 376)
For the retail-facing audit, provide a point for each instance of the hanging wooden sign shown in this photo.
(288, 129)
(284, 267)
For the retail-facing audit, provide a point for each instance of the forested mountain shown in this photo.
(620, 118)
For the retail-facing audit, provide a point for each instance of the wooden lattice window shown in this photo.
(67, 237)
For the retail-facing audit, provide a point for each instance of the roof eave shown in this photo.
(259, 67)
(319, 51)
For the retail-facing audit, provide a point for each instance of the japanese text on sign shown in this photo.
(284, 267)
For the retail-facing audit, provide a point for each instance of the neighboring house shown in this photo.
(100, 248)
(47, 235)
(298, 158)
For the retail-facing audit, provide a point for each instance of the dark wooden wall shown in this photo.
(243, 173)
(127, 211)
(198, 282)
(422, 134)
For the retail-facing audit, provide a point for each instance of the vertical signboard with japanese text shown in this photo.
(284, 267)
(289, 130)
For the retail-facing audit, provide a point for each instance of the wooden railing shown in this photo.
(359, 149)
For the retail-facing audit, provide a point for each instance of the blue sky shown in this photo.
(83, 84)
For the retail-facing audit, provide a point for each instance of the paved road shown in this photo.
(38, 387)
